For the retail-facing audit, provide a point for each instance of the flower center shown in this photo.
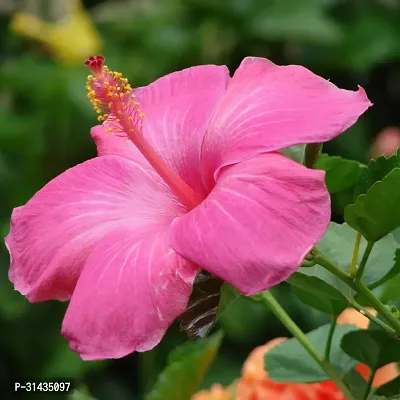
(113, 99)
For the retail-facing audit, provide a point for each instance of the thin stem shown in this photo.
(369, 384)
(371, 317)
(353, 266)
(312, 153)
(364, 260)
(329, 339)
(270, 301)
(359, 287)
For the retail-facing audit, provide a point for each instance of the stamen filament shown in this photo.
(112, 98)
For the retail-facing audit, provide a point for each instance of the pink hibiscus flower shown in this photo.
(199, 185)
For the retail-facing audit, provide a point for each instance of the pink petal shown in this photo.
(53, 234)
(269, 107)
(259, 222)
(177, 110)
(107, 144)
(130, 291)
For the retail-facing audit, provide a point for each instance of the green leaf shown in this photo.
(391, 287)
(377, 213)
(396, 235)
(290, 362)
(337, 245)
(376, 170)
(185, 370)
(394, 272)
(317, 293)
(295, 153)
(356, 383)
(372, 347)
(390, 389)
(228, 295)
(340, 173)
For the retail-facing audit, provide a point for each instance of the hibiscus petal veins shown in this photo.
(125, 245)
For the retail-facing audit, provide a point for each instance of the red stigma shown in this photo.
(95, 63)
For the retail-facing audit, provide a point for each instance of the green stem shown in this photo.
(369, 384)
(359, 287)
(364, 260)
(312, 152)
(353, 266)
(270, 301)
(329, 339)
(371, 317)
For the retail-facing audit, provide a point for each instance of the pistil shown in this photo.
(113, 99)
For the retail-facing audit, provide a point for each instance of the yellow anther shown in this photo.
(136, 104)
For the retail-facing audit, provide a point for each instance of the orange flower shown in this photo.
(217, 392)
(255, 384)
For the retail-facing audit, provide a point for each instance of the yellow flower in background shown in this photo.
(71, 39)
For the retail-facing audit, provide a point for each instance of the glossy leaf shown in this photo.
(290, 362)
(372, 347)
(340, 172)
(377, 213)
(185, 370)
(318, 294)
(337, 245)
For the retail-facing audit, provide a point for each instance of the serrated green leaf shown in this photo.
(290, 362)
(372, 347)
(317, 293)
(340, 172)
(295, 153)
(185, 370)
(337, 245)
(377, 213)
(376, 170)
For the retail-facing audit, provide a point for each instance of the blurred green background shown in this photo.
(45, 121)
